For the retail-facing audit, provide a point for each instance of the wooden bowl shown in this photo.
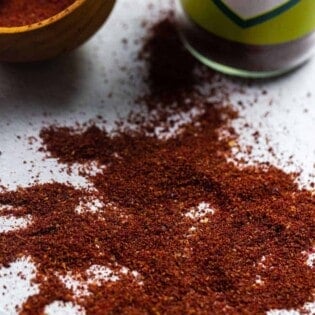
(58, 34)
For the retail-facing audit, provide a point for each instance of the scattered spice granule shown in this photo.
(171, 69)
(167, 71)
(26, 12)
(245, 257)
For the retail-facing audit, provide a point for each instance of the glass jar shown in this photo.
(249, 38)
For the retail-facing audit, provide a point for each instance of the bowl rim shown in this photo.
(43, 23)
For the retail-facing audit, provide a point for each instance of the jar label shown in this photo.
(259, 22)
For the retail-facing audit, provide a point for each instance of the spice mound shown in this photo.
(175, 227)
(26, 12)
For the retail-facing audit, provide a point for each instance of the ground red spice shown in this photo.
(262, 224)
(167, 72)
(171, 69)
(25, 12)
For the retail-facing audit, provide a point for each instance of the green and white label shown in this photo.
(250, 13)
(259, 22)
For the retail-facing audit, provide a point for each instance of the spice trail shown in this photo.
(184, 231)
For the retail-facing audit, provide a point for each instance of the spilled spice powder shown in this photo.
(244, 253)
(171, 68)
(25, 12)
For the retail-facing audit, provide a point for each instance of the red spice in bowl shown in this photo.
(25, 12)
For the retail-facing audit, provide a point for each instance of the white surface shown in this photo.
(15, 285)
(200, 211)
(75, 88)
(251, 8)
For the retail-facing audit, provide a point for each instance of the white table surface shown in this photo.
(76, 87)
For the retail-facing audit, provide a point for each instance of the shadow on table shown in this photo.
(50, 84)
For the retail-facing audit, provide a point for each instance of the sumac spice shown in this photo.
(25, 12)
(196, 234)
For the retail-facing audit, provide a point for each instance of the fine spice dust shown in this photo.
(203, 236)
(26, 12)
